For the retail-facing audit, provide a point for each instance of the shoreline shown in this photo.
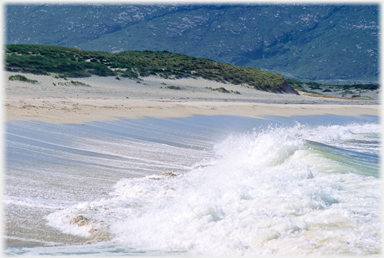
(59, 100)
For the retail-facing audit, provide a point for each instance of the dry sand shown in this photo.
(107, 98)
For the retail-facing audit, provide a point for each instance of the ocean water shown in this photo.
(202, 185)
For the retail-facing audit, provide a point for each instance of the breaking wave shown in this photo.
(284, 190)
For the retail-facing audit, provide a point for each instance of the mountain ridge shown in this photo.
(306, 42)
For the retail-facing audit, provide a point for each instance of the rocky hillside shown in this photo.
(313, 42)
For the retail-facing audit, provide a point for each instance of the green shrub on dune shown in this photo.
(173, 87)
(72, 62)
(21, 78)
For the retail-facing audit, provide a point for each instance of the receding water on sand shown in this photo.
(219, 185)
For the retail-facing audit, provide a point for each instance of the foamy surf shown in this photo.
(286, 190)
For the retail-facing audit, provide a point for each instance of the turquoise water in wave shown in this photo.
(194, 186)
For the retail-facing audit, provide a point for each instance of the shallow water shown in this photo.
(202, 185)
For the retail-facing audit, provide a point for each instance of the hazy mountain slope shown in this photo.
(316, 42)
(68, 25)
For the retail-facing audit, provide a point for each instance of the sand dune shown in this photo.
(106, 98)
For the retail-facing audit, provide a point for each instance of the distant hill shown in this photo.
(72, 62)
(313, 42)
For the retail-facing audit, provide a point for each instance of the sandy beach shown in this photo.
(79, 100)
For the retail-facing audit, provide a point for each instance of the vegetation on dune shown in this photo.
(74, 83)
(318, 89)
(223, 90)
(21, 78)
(173, 87)
(72, 62)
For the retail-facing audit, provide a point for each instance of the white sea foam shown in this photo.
(262, 193)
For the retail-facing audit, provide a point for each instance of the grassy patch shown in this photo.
(173, 88)
(223, 90)
(73, 83)
(21, 78)
(77, 83)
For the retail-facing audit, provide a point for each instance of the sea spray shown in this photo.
(271, 191)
